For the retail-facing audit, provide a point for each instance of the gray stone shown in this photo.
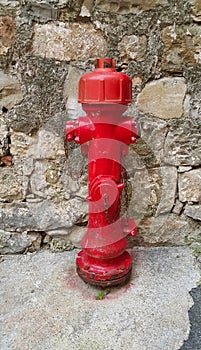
(193, 211)
(143, 194)
(10, 91)
(150, 145)
(153, 192)
(183, 144)
(47, 145)
(132, 48)
(12, 243)
(183, 169)
(76, 235)
(30, 115)
(163, 98)
(168, 190)
(190, 186)
(62, 41)
(166, 229)
(42, 12)
(128, 6)
(4, 138)
(45, 305)
(178, 207)
(42, 216)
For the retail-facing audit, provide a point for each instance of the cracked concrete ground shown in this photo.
(45, 306)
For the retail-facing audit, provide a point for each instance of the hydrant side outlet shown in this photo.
(104, 135)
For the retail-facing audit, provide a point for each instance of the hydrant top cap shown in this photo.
(105, 85)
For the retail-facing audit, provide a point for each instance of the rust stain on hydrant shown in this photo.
(104, 135)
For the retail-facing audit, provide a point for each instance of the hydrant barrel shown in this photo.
(104, 134)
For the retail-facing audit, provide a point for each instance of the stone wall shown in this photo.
(45, 46)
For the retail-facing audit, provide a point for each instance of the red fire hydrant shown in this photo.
(104, 135)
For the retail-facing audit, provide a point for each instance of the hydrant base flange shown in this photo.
(106, 272)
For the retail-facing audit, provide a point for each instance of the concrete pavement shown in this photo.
(45, 306)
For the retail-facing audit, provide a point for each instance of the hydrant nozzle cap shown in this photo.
(105, 63)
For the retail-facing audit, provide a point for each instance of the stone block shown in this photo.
(7, 34)
(178, 207)
(132, 47)
(166, 229)
(47, 145)
(10, 185)
(44, 80)
(42, 216)
(66, 42)
(10, 91)
(190, 186)
(182, 47)
(144, 193)
(12, 4)
(163, 98)
(4, 138)
(13, 243)
(128, 6)
(86, 8)
(153, 133)
(196, 10)
(41, 11)
(21, 143)
(168, 189)
(193, 211)
(183, 144)
(152, 192)
(73, 108)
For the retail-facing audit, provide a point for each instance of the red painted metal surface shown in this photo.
(104, 135)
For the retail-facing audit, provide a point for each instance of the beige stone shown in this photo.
(10, 184)
(10, 91)
(128, 6)
(182, 46)
(21, 143)
(163, 98)
(196, 10)
(7, 34)
(132, 47)
(190, 186)
(69, 41)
